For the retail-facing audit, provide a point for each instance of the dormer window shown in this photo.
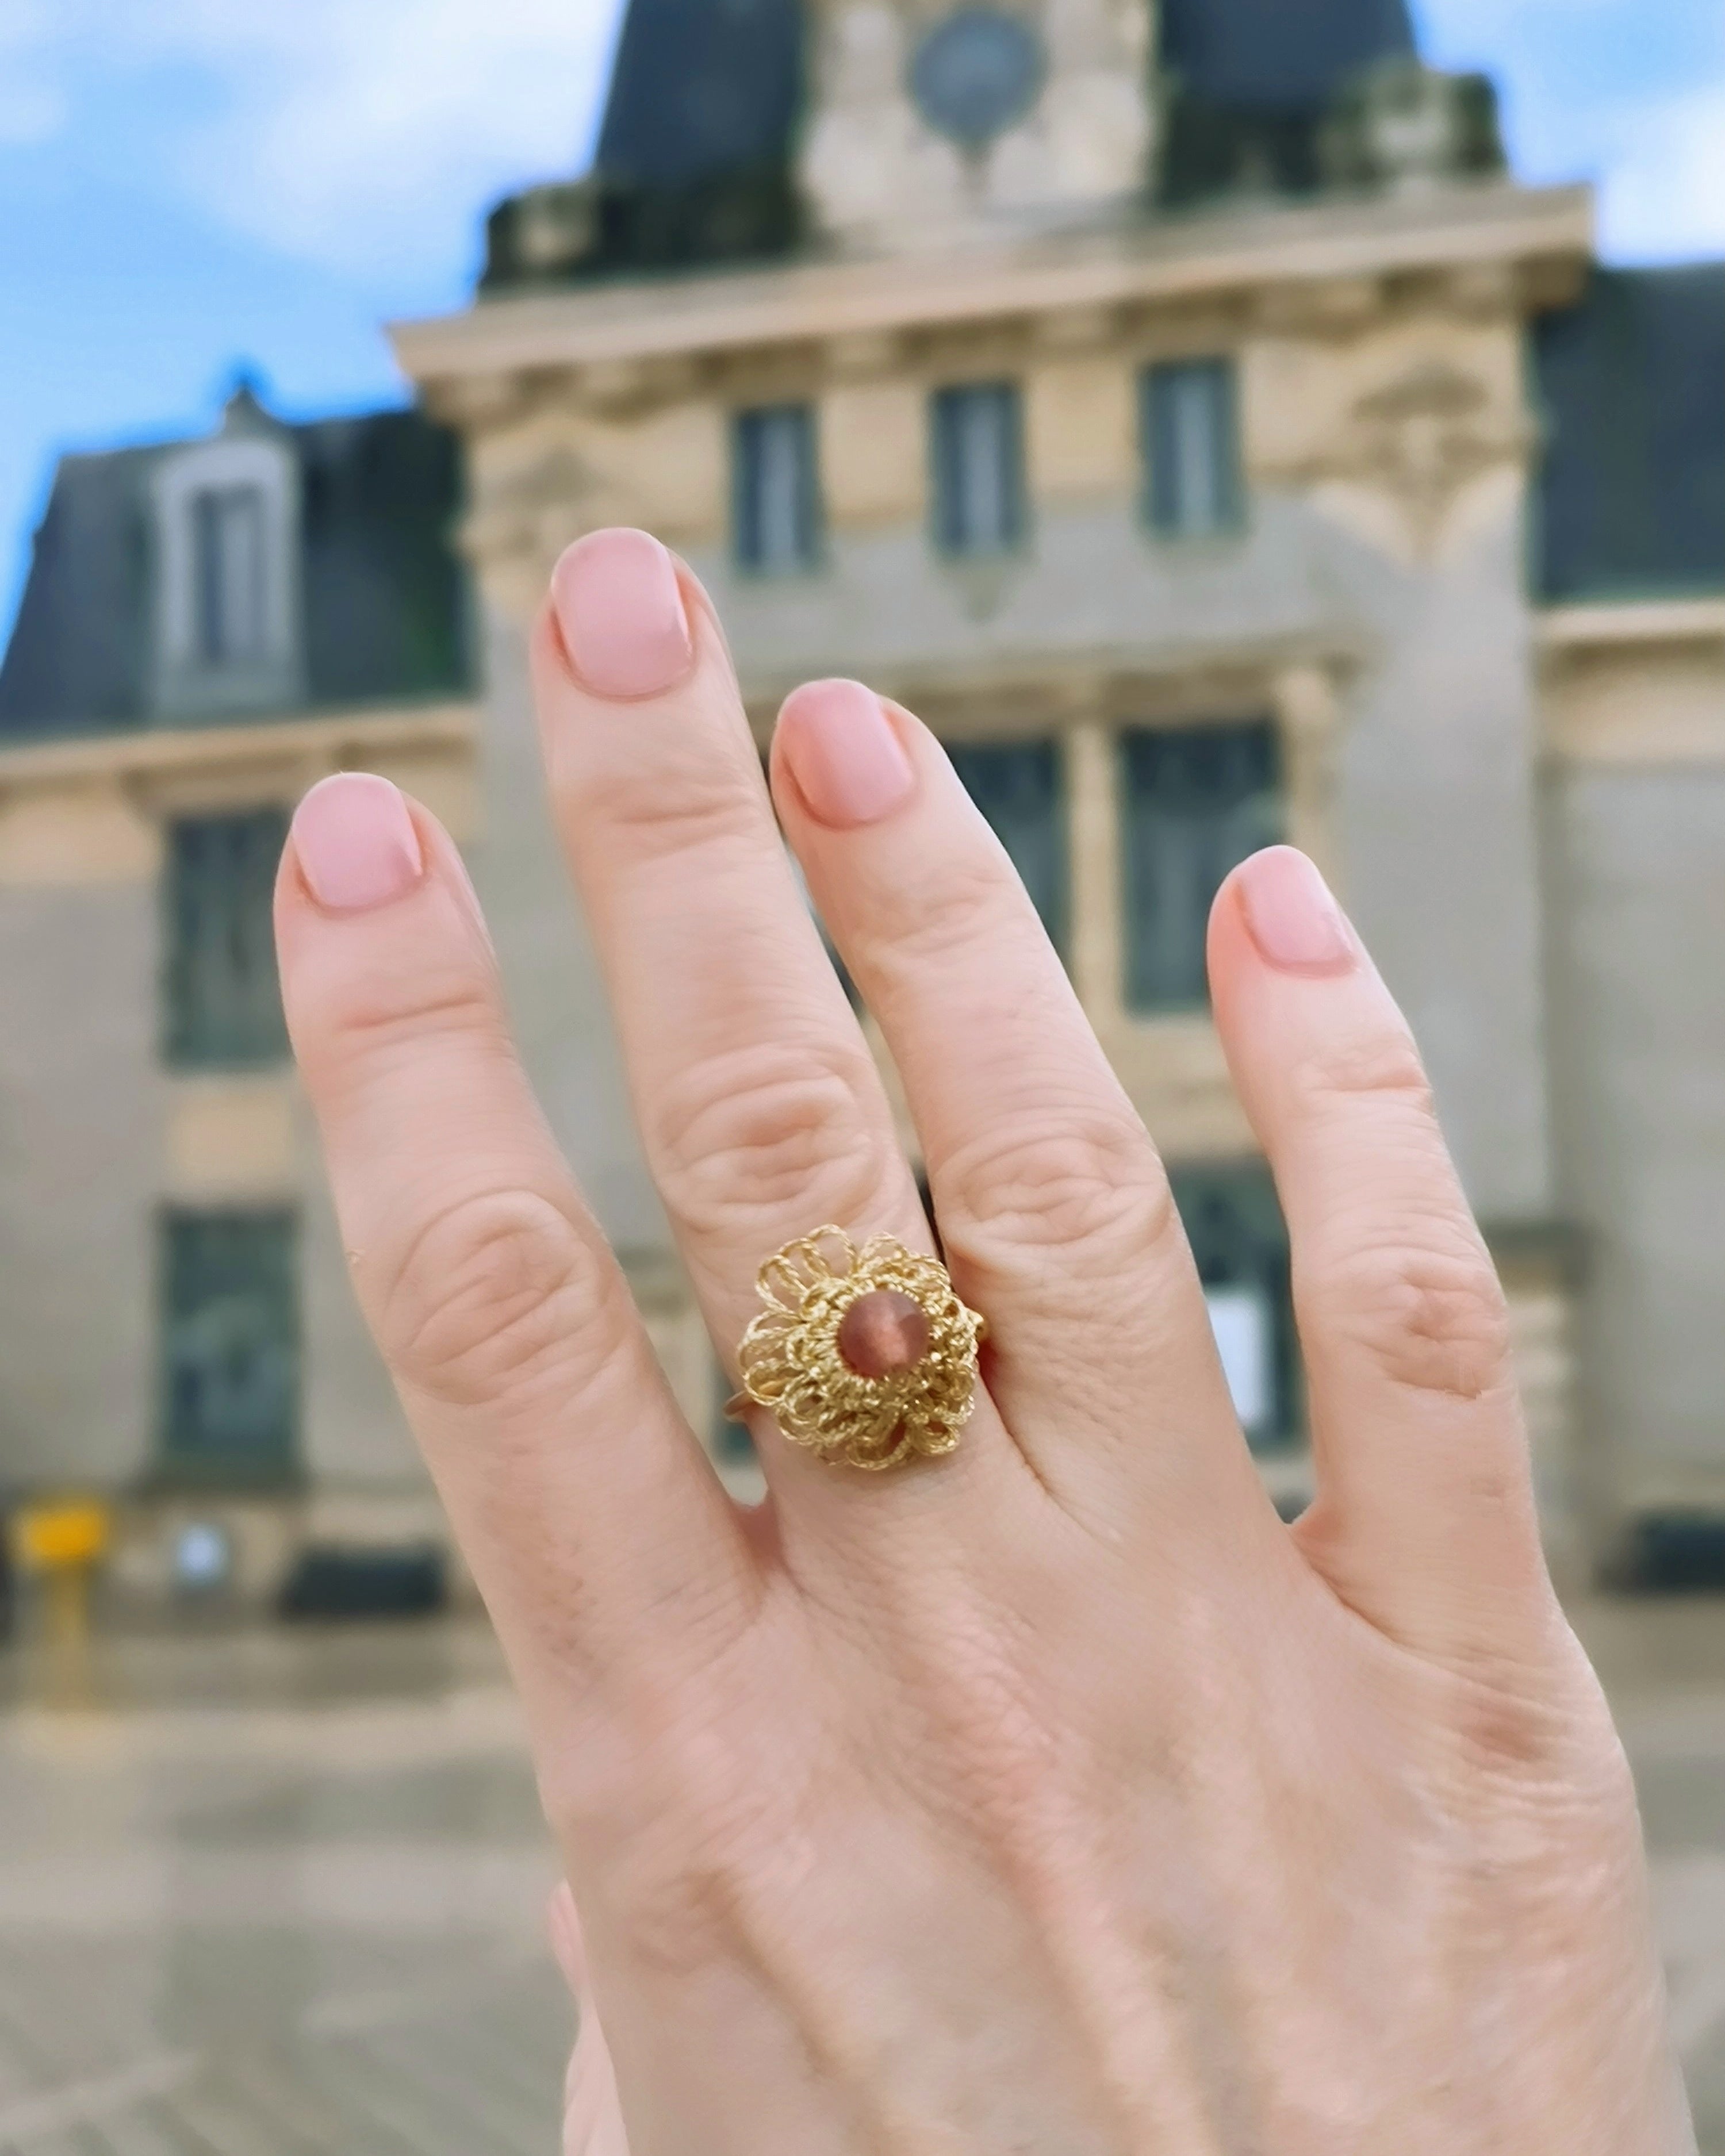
(225, 566)
(228, 573)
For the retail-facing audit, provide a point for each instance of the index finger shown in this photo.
(595, 1527)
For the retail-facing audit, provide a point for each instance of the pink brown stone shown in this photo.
(882, 1334)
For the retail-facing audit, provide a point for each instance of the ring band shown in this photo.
(865, 1358)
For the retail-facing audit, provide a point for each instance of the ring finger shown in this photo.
(1051, 1200)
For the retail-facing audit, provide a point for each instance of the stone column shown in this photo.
(1308, 718)
(1093, 839)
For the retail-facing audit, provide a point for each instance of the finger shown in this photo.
(592, 2110)
(1425, 1518)
(761, 1109)
(594, 1527)
(1053, 1208)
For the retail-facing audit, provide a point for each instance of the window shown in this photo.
(230, 1346)
(1195, 802)
(1191, 447)
(223, 1000)
(976, 452)
(1235, 1227)
(1017, 786)
(225, 548)
(229, 625)
(776, 489)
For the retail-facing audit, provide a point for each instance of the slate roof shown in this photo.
(701, 87)
(1279, 55)
(696, 153)
(1631, 381)
(384, 595)
(707, 87)
(1251, 87)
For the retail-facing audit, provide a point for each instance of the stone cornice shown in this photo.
(1474, 233)
(325, 737)
(1009, 692)
(1620, 624)
(1634, 685)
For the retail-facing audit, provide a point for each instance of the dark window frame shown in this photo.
(182, 1458)
(1169, 882)
(1239, 1239)
(210, 511)
(216, 919)
(1166, 513)
(947, 404)
(749, 433)
(992, 772)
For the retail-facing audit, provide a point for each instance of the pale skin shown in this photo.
(1053, 1797)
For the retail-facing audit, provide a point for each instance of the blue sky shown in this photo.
(190, 185)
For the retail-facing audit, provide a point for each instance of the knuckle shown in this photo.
(717, 800)
(930, 927)
(1091, 1188)
(767, 1129)
(945, 913)
(1386, 1067)
(377, 1018)
(1429, 1314)
(493, 1295)
(1545, 1723)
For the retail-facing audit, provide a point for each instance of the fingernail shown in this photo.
(356, 843)
(621, 614)
(1295, 922)
(845, 753)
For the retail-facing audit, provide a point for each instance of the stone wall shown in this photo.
(97, 1136)
(1637, 899)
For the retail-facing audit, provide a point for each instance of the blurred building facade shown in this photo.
(208, 627)
(1182, 409)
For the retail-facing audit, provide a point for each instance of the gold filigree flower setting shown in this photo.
(867, 1358)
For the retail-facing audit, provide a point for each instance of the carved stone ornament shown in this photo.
(932, 122)
(1420, 439)
(521, 519)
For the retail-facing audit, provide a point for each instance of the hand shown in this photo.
(1052, 1797)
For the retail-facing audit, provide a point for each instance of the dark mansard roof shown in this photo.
(696, 153)
(1631, 381)
(383, 605)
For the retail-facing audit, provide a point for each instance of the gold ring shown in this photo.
(867, 1358)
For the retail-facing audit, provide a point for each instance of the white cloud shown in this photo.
(1610, 91)
(1662, 194)
(30, 112)
(366, 136)
(352, 132)
(33, 107)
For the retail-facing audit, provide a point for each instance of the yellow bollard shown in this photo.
(64, 1541)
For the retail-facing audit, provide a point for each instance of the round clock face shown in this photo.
(976, 73)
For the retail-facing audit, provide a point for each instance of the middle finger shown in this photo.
(761, 1110)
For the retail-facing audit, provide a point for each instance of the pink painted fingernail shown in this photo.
(845, 753)
(1295, 922)
(621, 613)
(356, 843)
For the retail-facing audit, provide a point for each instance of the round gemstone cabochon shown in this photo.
(882, 1334)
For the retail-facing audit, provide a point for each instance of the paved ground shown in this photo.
(275, 1894)
(279, 1893)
